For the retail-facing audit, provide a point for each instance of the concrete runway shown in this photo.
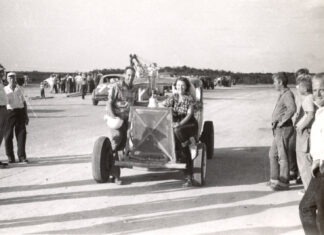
(55, 192)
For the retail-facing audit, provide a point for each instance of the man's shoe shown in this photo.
(298, 180)
(187, 183)
(3, 165)
(116, 180)
(293, 175)
(279, 187)
(24, 161)
(12, 161)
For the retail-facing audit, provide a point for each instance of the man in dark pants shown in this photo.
(120, 98)
(3, 110)
(283, 130)
(17, 119)
(83, 86)
(311, 207)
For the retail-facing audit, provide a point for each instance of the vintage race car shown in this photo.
(100, 93)
(150, 139)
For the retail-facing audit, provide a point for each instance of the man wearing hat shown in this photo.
(17, 119)
(3, 109)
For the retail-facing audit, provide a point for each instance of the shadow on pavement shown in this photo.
(45, 186)
(55, 160)
(122, 191)
(60, 116)
(45, 110)
(230, 166)
(145, 221)
(258, 230)
(238, 166)
(226, 98)
(127, 180)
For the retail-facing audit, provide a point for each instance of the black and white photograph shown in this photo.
(162, 117)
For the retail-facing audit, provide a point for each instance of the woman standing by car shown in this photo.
(184, 124)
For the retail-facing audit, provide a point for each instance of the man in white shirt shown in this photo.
(17, 119)
(311, 207)
(3, 109)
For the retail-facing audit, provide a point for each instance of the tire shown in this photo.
(102, 159)
(200, 166)
(95, 102)
(207, 137)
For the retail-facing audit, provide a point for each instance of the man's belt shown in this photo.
(287, 123)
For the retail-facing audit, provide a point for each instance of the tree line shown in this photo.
(240, 78)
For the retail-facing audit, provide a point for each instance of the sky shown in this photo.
(231, 35)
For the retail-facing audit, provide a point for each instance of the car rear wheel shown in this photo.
(102, 159)
(200, 165)
(207, 137)
(94, 101)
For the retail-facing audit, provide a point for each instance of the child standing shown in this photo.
(42, 90)
(303, 126)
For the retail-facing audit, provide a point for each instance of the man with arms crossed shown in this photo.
(283, 130)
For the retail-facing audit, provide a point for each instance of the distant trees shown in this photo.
(238, 78)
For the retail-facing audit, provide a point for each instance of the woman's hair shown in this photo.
(302, 71)
(185, 80)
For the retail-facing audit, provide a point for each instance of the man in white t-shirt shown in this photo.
(17, 119)
(311, 207)
(303, 125)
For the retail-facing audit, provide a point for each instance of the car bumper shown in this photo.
(100, 97)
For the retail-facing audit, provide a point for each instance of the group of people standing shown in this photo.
(13, 117)
(299, 123)
(70, 83)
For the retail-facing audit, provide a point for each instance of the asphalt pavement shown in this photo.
(55, 192)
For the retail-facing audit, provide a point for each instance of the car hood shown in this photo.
(102, 89)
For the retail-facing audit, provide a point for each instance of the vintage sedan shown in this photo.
(100, 93)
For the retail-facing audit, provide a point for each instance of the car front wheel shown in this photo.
(102, 159)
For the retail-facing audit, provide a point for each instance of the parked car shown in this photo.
(100, 93)
(150, 140)
(208, 82)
